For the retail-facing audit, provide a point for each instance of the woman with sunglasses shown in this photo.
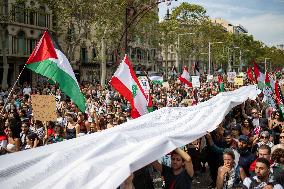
(263, 139)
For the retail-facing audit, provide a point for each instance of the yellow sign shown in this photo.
(239, 81)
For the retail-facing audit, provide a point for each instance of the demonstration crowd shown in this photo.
(245, 151)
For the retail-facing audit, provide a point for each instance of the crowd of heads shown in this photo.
(253, 129)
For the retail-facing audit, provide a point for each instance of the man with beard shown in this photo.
(179, 175)
(246, 157)
(262, 179)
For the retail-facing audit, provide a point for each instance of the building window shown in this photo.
(84, 55)
(41, 17)
(31, 45)
(21, 43)
(19, 12)
(31, 18)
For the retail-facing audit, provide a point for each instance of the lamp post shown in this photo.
(209, 55)
(265, 63)
(178, 50)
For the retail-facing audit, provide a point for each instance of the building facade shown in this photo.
(25, 25)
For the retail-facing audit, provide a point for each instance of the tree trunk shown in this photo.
(103, 65)
(4, 83)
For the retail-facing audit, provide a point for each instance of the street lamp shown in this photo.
(178, 50)
(209, 55)
(265, 63)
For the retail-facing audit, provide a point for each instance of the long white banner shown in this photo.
(105, 159)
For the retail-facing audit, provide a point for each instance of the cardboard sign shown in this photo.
(195, 81)
(239, 81)
(231, 77)
(44, 107)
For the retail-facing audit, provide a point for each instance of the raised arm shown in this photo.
(187, 161)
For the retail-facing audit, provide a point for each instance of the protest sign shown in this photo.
(231, 77)
(239, 81)
(209, 78)
(44, 107)
(195, 81)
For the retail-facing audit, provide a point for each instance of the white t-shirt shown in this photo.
(27, 90)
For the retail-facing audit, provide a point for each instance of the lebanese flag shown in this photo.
(249, 74)
(185, 77)
(49, 61)
(126, 83)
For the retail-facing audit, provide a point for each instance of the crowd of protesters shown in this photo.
(245, 151)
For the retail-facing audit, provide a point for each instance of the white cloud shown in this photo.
(265, 25)
(268, 28)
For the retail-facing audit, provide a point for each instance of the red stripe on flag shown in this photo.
(133, 75)
(124, 91)
(185, 81)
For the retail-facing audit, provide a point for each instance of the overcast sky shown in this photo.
(264, 19)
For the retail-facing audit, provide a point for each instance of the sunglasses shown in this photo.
(264, 137)
(254, 112)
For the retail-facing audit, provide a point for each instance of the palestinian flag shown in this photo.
(259, 76)
(185, 77)
(269, 81)
(156, 79)
(221, 84)
(50, 62)
(126, 83)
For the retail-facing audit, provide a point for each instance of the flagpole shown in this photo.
(13, 88)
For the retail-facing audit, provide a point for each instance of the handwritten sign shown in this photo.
(239, 81)
(44, 107)
(231, 77)
(195, 81)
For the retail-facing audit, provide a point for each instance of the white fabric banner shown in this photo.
(105, 159)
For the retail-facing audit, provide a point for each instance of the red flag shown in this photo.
(249, 74)
(277, 93)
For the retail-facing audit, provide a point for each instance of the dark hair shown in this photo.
(229, 152)
(32, 136)
(265, 147)
(277, 154)
(227, 133)
(263, 160)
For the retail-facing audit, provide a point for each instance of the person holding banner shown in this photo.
(180, 174)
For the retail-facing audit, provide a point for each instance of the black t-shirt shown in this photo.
(181, 181)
